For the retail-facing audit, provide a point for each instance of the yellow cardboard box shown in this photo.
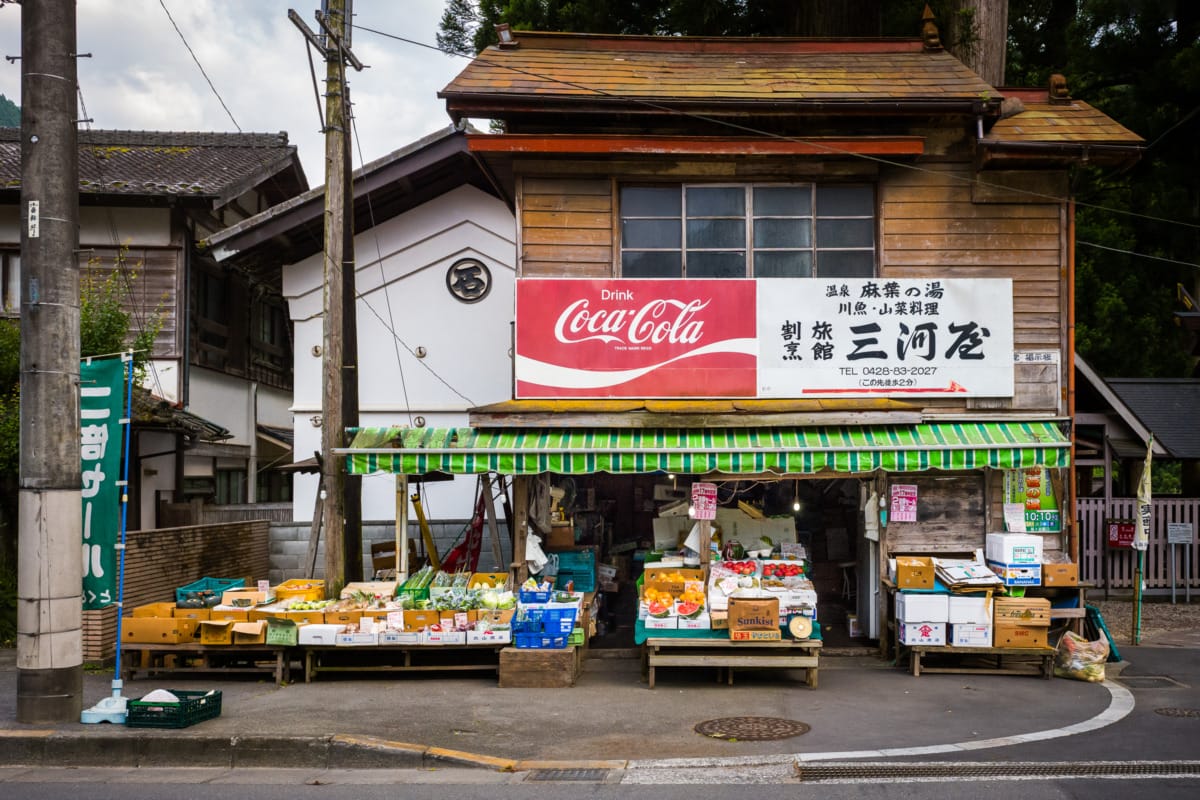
(250, 632)
(158, 630)
(155, 610)
(914, 572)
(216, 632)
(198, 614)
(219, 614)
(1027, 611)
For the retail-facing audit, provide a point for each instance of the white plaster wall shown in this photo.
(401, 275)
(158, 473)
(138, 227)
(222, 399)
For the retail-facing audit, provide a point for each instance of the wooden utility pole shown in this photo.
(50, 526)
(342, 495)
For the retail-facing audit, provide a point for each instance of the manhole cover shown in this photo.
(1178, 712)
(751, 729)
(1150, 682)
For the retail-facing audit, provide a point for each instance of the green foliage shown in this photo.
(104, 324)
(10, 114)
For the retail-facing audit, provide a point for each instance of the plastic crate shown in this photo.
(283, 632)
(549, 621)
(300, 589)
(576, 637)
(580, 581)
(192, 707)
(208, 587)
(534, 596)
(538, 641)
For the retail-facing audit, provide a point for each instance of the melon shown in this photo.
(658, 610)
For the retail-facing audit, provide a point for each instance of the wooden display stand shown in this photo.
(539, 669)
(179, 659)
(398, 658)
(723, 653)
(1045, 656)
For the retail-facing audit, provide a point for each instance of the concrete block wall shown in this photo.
(289, 546)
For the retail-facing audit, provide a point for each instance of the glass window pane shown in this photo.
(783, 264)
(845, 264)
(650, 233)
(845, 233)
(845, 201)
(650, 201)
(782, 201)
(716, 265)
(783, 233)
(651, 265)
(713, 233)
(716, 201)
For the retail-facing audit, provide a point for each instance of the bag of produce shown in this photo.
(1080, 659)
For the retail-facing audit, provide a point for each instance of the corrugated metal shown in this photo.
(793, 450)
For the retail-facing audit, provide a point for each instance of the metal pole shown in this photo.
(50, 524)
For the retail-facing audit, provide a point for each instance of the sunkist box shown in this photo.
(754, 619)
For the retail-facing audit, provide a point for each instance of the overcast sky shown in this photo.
(141, 76)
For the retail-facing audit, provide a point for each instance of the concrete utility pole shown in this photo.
(342, 506)
(50, 529)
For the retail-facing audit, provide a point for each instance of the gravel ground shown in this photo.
(1159, 616)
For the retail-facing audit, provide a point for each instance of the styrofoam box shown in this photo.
(701, 622)
(962, 635)
(359, 639)
(399, 637)
(970, 610)
(919, 607)
(661, 623)
(445, 637)
(319, 634)
(1014, 548)
(489, 637)
(932, 633)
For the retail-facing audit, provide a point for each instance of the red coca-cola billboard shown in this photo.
(635, 338)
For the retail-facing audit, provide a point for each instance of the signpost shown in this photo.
(1119, 535)
(1181, 533)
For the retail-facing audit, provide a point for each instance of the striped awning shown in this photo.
(782, 450)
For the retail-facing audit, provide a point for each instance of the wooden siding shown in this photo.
(1114, 569)
(950, 515)
(150, 285)
(566, 227)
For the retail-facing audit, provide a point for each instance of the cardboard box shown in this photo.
(197, 614)
(399, 637)
(720, 620)
(1019, 636)
(914, 607)
(701, 622)
(356, 639)
(219, 614)
(1064, 574)
(927, 633)
(970, 635)
(1032, 611)
(381, 588)
(299, 617)
(158, 630)
(416, 620)
(250, 632)
(672, 580)
(914, 572)
(216, 632)
(154, 610)
(753, 614)
(1017, 574)
(445, 637)
(246, 598)
(341, 617)
(561, 536)
(755, 636)
(319, 634)
(283, 632)
(497, 617)
(1014, 548)
(974, 609)
(489, 637)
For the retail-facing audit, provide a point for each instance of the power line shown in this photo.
(1138, 255)
(183, 39)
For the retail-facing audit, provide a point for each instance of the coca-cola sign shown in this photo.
(635, 338)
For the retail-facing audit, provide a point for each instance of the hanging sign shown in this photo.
(704, 500)
(100, 401)
(904, 503)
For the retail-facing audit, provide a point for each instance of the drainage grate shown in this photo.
(1151, 682)
(751, 729)
(568, 775)
(976, 770)
(1178, 712)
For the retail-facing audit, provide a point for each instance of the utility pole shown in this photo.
(342, 507)
(50, 527)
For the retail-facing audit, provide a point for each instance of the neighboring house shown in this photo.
(863, 254)
(434, 272)
(222, 358)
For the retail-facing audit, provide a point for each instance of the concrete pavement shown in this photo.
(863, 709)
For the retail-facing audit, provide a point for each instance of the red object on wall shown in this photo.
(1120, 533)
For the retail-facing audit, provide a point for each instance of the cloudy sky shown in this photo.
(142, 77)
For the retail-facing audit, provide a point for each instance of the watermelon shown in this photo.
(689, 610)
(658, 610)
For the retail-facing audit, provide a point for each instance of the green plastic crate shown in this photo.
(192, 707)
(576, 638)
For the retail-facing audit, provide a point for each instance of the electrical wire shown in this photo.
(208, 80)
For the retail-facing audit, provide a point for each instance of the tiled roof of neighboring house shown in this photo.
(153, 412)
(1169, 407)
(643, 73)
(211, 166)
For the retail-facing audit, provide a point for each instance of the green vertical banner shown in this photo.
(100, 403)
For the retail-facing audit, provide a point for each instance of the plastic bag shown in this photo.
(1080, 659)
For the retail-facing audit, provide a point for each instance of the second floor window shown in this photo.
(748, 231)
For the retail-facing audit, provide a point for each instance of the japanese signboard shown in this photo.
(704, 500)
(767, 338)
(101, 382)
(904, 503)
(1120, 533)
(1031, 488)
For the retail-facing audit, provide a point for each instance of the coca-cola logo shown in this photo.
(654, 322)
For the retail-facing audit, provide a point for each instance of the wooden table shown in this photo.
(1045, 656)
(398, 658)
(214, 659)
(724, 653)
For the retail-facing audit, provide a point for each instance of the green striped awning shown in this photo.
(693, 451)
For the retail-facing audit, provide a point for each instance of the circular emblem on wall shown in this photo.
(469, 280)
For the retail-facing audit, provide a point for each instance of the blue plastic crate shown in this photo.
(534, 596)
(549, 621)
(208, 587)
(537, 641)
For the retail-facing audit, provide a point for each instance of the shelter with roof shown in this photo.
(221, 365)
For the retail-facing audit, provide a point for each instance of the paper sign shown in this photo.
(1014, 517)
(1180, 533)
(704, 501)
(264, 586)
(904, 503)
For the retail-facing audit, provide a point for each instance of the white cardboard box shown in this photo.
(970, 609)
(358, 639)
(446, 637)
(399, 637)
(319, 634)
(920, 607)
(971, 635)
(1014, 548)
(489, 637)
(661, 623)
(701, 622)
(931, 633)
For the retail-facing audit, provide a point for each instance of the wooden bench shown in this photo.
(727, 654)
(213, 659)
(399, 658)
(1044, 656)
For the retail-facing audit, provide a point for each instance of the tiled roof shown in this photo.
(550, 67)
(1071, 122)
(157, 163)
(1168, 407)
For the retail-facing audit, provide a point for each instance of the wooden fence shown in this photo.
(1114, 568)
